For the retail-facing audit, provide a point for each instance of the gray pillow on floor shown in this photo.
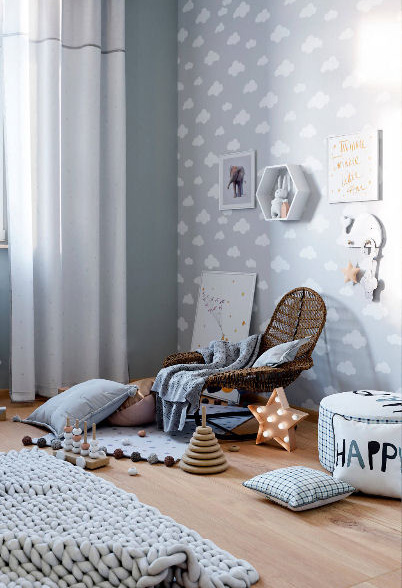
(91, 401)
(280, 353)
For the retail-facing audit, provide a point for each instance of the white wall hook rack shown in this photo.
(363, 229)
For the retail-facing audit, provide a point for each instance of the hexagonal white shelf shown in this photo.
(298, 194)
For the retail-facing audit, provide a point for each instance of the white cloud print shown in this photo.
(242, 10)
(215, 89)
(279, 33)
(319, 224)
(312, 164)
(233, 145)
(279, 148)
(211, 57)
(182, 35)
(346, 111)
(308, 11)
(262, 240)
(236, 68)
(251, 263)
(182, 131)
(284, 69)
(262, 128)
(310, 44)
(198, 41)
(203, 217)
(250, 87)
(330, 64)
(211, 262)
(308, 252)
(355, 339)
(182, 324)
(188, 201)
(182, 228)
(203, 117)
(188, 299)
(241, 118)
(308, 131)
(346, 367)
(382, 367)
(279, 264)
(213, 192)
(188, 6)
(220, 235)
(188, 104)
(262, 16)
(198, 241)
(233, 39)
(233, 251)
(198, 141)
(203, 16)
(319, 100)
(242, 226)
(269, 100)
(211, 159)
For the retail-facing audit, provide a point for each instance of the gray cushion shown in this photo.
(280, 353)
(91, 401)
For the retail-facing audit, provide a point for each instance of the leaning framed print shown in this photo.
(237, 180)
(354, 167)
(225, 303)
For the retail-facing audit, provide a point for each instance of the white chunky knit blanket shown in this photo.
(61, 526)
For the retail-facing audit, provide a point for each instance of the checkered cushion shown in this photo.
(299, 488)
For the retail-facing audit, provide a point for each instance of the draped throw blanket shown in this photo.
(179, 386)
(64, 121)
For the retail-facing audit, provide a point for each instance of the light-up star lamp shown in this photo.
(277, 420)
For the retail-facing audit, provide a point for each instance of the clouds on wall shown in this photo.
(279, 83)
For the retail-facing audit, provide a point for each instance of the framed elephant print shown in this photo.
(237, 180)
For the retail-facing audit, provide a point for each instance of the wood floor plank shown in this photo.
(355, 542)
(390, 580)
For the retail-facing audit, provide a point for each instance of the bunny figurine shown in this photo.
(281, 195)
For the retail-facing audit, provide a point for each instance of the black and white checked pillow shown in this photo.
(299, 488)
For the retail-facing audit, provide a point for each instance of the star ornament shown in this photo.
(350, 273)
(277, 420)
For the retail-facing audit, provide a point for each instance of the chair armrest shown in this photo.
(261, 379)
(177, 358)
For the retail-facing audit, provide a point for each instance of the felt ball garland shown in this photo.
(27, 440)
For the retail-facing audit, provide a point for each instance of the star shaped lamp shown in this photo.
(277, 420)
(350, 272)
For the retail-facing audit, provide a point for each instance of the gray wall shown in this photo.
(279, 77)
(151, 70)
(4, 318)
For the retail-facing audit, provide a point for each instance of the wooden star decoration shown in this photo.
(277, 420)
(350, 273)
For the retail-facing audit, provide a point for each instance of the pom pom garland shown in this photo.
(169, 461)
(118, 453)
(27, 440)
(41, 442)
(135, 456)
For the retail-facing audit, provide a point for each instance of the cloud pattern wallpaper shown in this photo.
(281, 77)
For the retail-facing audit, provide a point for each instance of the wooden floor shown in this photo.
(355, 542)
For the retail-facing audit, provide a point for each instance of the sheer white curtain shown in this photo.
(64, 118)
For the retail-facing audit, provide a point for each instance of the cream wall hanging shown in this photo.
(364, 232)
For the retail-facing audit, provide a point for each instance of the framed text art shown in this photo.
(353, 167)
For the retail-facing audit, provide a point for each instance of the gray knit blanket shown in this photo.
(179, 386)
(61, 527)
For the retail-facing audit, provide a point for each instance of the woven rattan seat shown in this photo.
(300, 313)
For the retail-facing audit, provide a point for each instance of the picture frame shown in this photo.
(224, 307)
(354, 167)
(237, 180)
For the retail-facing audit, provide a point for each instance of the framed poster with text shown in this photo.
(353, 167)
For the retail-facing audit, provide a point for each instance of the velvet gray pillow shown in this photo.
(280, 353)
(92, 401)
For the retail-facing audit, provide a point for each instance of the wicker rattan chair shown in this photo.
(300, 313)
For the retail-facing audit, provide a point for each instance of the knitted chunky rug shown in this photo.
(61, 526)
